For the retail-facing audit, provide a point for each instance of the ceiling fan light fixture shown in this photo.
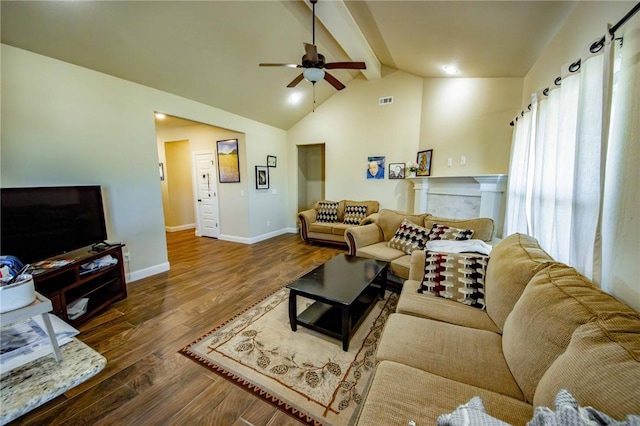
(313, 74)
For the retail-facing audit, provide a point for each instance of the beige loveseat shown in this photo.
(371, 239)
(315, 227)
(545, 328)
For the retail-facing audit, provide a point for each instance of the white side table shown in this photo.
(40, 306)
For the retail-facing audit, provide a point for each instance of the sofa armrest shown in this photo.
(416, 268)
(362, 236)
(306, 218)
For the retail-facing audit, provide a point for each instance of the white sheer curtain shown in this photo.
(556, 171)
(620, 224)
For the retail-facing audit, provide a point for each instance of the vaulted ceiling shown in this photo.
(209, 51)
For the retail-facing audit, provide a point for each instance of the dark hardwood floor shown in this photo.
(146, 381)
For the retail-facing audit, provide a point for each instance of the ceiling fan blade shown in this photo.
(346, 65)
(295, 81)
(333, 81)
(281, 65)
(312, 52)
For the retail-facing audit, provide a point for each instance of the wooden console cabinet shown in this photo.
(66, 284)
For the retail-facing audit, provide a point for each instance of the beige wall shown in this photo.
(454, 117)
(353, 127)
(234, 206)
(586, 23)
(64, 125)
(469, 117)
(178, 206)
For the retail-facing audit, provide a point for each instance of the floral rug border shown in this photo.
(249, 386)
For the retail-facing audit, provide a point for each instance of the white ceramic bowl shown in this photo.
(17, 295)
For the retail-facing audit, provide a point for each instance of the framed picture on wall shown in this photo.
(375, 167)
(424, 162)
(271, 160)
(396, 170)
(228, 161)
(262, 177)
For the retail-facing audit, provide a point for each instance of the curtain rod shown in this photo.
(598, 44)
(624, 19)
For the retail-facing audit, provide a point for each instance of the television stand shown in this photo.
(68, 283)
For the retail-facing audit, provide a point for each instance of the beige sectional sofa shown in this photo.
(315, 227)
(545, 328)
(370, 240)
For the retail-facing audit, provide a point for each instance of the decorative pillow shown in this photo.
(409, 237)
(455, 276)
(471, 413)
(444, 232)
(327, 212)
(353, 215)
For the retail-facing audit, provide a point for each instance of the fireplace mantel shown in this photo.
(489, 189)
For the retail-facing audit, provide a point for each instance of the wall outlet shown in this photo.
(463, 160)
(268, 223)
(449, 162)
(126, 256)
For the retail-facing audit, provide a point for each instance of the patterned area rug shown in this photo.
(304, 373)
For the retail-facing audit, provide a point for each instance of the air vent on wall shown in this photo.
(386, 100)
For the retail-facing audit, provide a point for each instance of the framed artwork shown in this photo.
(375, 168)
(424, 162)
(396, 170)
(228, 161)
(262, 177)
(271, 160)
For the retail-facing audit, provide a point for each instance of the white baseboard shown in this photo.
(147, 272)
(257, 239)
(180, 228)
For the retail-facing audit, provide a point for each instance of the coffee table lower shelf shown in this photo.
(330, 319)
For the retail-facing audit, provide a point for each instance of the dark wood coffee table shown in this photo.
(345, 289)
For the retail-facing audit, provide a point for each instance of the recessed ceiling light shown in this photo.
(160, 116)
(295, 98)
(450, 69)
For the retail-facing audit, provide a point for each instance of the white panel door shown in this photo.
(207, 213)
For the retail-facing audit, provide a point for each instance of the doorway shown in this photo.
(311, 176)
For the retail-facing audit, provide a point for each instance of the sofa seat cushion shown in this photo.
(339, 228)
(321, 227)
(514, 261)
(553, 305)
(400, 266)
(436, 308)
(380, 251)
(601, 366)
(458, 353)
(400, 393)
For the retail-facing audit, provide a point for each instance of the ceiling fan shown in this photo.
(314, 63)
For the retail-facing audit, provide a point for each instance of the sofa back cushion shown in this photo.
(553, 305)
(482, 227)
(512, 264)
(389, 221)
(601, 366)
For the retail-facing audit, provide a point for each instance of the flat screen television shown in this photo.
(38, 223)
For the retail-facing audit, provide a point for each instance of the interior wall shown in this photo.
(232, 197)
(67, 125)
(353, 127)
(311, 175)
(178, 175)
(587, 22)
(469, 117)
